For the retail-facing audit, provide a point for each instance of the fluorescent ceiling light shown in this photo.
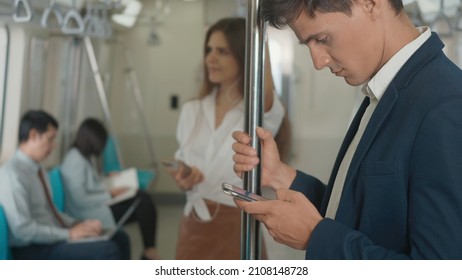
(130, 14)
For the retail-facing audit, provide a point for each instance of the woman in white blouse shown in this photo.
(210, 227)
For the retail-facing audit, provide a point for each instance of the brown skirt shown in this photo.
(218, 239)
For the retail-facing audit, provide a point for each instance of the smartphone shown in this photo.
(175, 165)
(240, 193)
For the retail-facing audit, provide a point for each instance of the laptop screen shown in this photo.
(128, 213)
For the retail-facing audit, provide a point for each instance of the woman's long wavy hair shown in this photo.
(234, 30)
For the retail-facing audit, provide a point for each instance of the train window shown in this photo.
(4, 43)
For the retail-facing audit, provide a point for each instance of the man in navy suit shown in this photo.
(396, 188)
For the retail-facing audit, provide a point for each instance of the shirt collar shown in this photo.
(376, 86)
(209, 100)
(28, 161)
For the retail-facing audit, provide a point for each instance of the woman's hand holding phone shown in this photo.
(185, 176)
(178, 166)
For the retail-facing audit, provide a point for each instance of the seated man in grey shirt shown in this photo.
(37, 229)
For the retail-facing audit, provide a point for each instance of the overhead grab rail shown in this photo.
(22, 11)
(73, 22)
(56, 10)
(96, 23)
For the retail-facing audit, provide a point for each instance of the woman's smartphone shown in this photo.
(240, 193)
(175, 166)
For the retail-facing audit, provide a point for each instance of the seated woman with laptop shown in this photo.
(87, 195)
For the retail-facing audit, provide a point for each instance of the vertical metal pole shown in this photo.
(255, 37)
(139, 102)
(69, 102)
(100, 88)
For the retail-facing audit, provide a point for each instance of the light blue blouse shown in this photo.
(86, 196)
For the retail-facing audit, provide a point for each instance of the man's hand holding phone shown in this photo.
(290, 219)
(240, 193)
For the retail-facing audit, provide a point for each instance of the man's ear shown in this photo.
(372, 7)
(33, 134)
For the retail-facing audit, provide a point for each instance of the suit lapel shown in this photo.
(377, 119)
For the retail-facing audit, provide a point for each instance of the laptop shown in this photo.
(108, 233)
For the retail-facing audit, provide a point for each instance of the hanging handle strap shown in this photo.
(20, 7)
(72, 16)
(53, 7)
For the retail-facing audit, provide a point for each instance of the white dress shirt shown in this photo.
(30, 218)
(209, 148)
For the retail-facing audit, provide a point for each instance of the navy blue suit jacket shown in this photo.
(402, 197)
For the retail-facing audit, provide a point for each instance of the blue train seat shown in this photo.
(5, 252)
(57, 188)
(111, 163)
(145, 177)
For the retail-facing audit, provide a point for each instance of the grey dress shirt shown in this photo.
(86, 196)
(30, 218)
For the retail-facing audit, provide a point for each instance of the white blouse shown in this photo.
(209, 149)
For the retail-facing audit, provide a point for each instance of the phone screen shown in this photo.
(171, 164)
(174, 165)
(240, 193)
